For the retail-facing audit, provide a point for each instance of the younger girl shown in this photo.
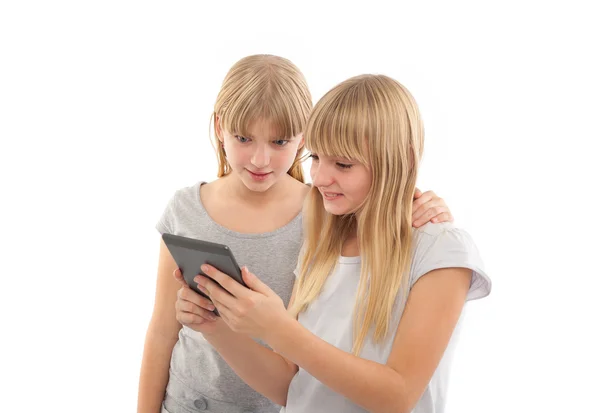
(372, 320)
(254, 207)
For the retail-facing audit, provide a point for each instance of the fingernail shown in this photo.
(211, 307)
(204, 267)
(212, 317)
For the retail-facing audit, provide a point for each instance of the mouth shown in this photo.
(259, 176)
(331, 196)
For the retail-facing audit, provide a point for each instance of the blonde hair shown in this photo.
(262, 87)
(372, 119)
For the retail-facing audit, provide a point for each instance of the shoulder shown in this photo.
(297, 187)
(442, 245)
(295, 192)
(432, 238)
(180, 203)
(186, 192)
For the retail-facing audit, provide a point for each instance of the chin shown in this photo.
(258, 186)
(336, 210)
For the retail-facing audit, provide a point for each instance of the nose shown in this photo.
(261, 157)
(321, 174)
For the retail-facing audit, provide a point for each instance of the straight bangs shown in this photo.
(264, 100)
(340, 124)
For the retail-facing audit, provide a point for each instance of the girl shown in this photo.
(372, 319)
(254, 207)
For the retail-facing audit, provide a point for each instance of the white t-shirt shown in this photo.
(330, 317)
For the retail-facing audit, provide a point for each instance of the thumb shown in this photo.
(178, 275)
(254, 283)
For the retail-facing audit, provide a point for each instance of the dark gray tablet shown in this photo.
(190, 254)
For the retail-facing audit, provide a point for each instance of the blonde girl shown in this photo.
(373, 318)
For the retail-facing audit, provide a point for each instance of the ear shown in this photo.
(218, 129)
(301, 145)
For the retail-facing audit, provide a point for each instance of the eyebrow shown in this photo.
(273, 139)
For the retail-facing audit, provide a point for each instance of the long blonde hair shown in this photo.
(262, 87)
(372, 119)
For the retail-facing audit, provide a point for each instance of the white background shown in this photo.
(104, 113)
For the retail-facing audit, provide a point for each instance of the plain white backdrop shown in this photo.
(104, 113)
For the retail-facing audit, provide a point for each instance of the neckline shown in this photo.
(349, 260)
(230, 232)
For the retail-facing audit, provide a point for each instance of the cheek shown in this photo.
(362, 185)
(366, 187)
(235, 153)
(283, 158)
(313, 170)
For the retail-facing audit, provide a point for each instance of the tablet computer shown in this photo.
(190, 254)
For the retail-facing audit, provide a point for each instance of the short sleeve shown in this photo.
(442, 245)
(166, 223)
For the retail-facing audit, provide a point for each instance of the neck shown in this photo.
(350, 246)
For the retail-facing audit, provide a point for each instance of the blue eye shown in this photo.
(241, 139)
(281, 142)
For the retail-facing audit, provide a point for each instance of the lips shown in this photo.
(259, 176)
(331, 196)
(259, 173)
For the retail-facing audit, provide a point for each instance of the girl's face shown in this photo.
(261, 158)
(344, 184)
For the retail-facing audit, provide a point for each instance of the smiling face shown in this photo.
(260, 157)
(344, 184)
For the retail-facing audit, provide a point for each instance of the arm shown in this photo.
(161, 336)
(261, 368)
(431, 313)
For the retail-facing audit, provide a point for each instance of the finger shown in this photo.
(424, 198)
(225, 281)
(187, 294)
(254, 283)
(417, 213)
(444, 217)
(183, 306)
(187, 319)
(214, 290)
(179, 277)
(417, 194)
(225, 314)
(428, 215)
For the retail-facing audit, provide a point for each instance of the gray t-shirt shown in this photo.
(199, 379)
(330, 317)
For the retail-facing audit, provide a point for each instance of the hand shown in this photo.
(256, 311)
(428, 207)
(192, 310)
